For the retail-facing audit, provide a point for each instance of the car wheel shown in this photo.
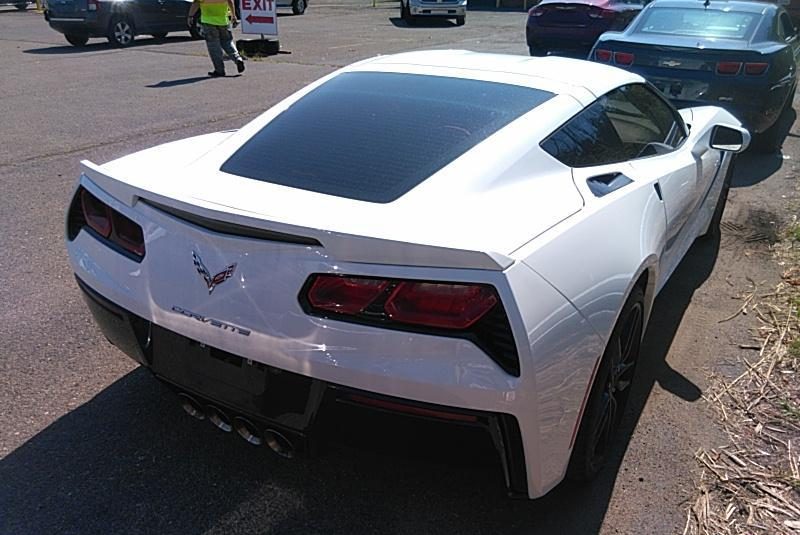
(196, 29)
(299, 7)
(771, 139)
(121, 32)
(159, 35)
(460, 21)
(76, 39)
(22, 7)
(610, 392)
(536, 51)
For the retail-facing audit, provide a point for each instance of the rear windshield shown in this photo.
(374, 136)
(699, 22)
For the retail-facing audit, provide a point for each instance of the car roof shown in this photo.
(732, 5)
(583, 80)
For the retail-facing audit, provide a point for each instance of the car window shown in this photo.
(698, 22)
(373, 136)
(786, 26)
(627, 123)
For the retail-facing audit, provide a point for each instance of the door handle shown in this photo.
(601, 185)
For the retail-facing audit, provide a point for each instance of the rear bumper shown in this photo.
(563, 37)
(299, 407)
(93, 25)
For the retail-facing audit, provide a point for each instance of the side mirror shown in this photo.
(729, 138)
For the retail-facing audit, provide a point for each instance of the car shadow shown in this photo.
(424, 22)
(99, 46)
(753, 166)
(129, 460)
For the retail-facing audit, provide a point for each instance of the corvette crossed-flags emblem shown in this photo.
(215, 280)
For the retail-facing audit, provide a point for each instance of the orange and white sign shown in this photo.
(259, 16)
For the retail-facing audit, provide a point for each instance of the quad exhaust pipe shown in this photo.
(249, 431)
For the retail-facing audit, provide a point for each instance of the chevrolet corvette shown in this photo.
(468, 239)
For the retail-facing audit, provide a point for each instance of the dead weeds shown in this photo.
(752, 485)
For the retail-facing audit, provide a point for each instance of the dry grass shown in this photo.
(752, 485)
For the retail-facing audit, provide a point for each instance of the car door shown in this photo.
(175, 13)
(149, 16)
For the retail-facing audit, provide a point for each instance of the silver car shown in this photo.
(412, 10)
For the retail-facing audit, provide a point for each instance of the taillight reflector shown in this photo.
(600, 13)
(623, 58)
(96, 214)
(755, 68)
(447, 306)
(729, 67)
(602, 55)
(344, 295)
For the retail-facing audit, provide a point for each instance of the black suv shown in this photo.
(120, 22)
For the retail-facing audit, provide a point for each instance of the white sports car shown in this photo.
(474, 239)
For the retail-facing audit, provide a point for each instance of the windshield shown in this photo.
(698, 22)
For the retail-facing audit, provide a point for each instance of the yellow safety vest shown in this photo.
(214, 12)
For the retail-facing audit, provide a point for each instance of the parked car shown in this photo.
(413, 10)
(22, 6)
(119, 22)
(740, 55)
(574, 25)
(500, 279)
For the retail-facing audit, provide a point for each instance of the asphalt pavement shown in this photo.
(91, 444)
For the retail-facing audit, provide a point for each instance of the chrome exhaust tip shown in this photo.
(217, 417)
(247, 430)
(278, 443)
(191, 406)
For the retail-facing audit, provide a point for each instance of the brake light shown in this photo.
(109, 224)
(600, 13)
(96, 214)
(452, 309)
(623, 58)
(602, 55)
(753, 69)
(92, 5)
(344, 295)
(447, 306)
(729, 67)
(536, 12)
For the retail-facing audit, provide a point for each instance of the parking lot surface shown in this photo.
(91, 444)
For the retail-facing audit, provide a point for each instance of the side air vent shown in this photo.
(224, 227)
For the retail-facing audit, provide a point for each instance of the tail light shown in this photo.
(729, 67)
(115, 229)
(623, 58)
(92, 5)
(602, 54)
(471, 311)
(754, 69)
(536, 12)
(600, 13)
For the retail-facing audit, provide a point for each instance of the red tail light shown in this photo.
(96, 214)
(729, 67)
(345, 295)
(623, 58)
(755, 68)
(602, 55)
(107, 222)
(447, 306)
(600, 13)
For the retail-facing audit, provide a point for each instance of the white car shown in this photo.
(413, 10)
(474, 239)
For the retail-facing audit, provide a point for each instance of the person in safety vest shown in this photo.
(214, 18)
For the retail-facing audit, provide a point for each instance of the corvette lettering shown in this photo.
(211, 321)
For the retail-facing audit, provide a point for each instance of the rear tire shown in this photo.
(299, 7)
(121, 32)
(77, 39)
(22, 7)
(536, 51)
(610, 392)
(405, 14)
(460, 21)
(771, 139)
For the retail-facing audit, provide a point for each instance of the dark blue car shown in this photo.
(739, 55)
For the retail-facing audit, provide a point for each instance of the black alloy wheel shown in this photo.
(121, 32)
(299, 7)
(610, 392)
(77, 39)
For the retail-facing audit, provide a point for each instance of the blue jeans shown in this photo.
(219, 38)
